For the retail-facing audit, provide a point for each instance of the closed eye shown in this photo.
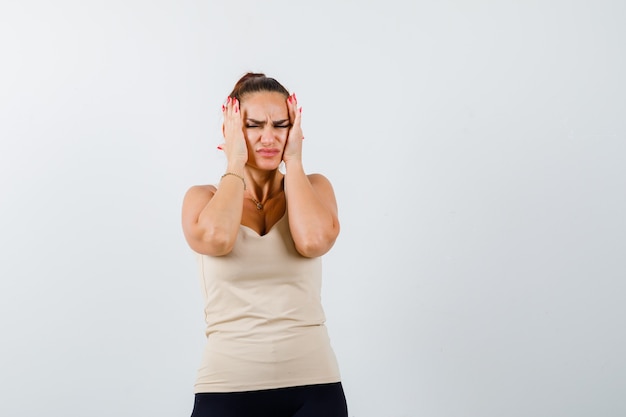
(278, 124)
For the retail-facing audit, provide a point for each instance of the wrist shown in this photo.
(293, 164)
(236, 167)
(234, 175)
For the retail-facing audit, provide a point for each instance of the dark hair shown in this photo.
(254, 82)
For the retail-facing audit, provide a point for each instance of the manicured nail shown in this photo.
(300, 110)
(220, 147)
(223, 107)
(294, 97)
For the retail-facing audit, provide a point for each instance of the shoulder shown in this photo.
(320, 183)
(323, 188)
(318, 179)
(199, 193)
(201, 190)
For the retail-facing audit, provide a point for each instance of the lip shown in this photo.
(268, 152)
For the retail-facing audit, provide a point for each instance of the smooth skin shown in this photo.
(260, 132)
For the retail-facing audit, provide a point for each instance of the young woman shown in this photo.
(259, 236)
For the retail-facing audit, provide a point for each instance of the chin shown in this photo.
(268, 165)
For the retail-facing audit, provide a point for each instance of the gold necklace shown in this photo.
(259, 206)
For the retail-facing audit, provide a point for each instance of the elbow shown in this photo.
(219, 245)
(213, 242)
(312, 251)
(316, 245)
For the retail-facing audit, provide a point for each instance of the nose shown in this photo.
(267, 137)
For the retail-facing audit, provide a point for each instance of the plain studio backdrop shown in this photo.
(477, 150)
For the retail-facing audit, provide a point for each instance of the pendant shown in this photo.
(259, 206)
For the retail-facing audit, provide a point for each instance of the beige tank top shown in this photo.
(265, 322)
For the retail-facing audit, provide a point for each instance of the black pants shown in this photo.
(321, 400)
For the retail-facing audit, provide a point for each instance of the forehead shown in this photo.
(263, 103)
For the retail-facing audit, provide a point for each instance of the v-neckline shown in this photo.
(269, 231)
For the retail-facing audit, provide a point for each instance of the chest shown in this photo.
(262, 220)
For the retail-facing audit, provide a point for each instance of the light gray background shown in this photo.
(477, 149)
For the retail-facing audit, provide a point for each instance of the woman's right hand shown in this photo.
(234, 141)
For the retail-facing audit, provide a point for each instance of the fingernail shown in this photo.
(223, 107)
(220, 147)
(228, 101)
(294, 97)
(300, 110)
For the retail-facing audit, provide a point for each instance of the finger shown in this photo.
(298, 116)
(291, 107)
(231, 110)
(228, 105)
(294, 112)
(298, 121)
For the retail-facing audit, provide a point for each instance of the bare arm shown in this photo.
(211, 217)
(311, 202)
(313, 218)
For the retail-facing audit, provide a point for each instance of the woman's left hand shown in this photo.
(293, 147)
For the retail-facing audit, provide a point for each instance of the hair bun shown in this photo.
(253, 82)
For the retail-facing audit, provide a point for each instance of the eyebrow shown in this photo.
(262, 122)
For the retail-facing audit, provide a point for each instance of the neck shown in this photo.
(263, 185)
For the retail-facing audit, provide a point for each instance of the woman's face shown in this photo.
(265, 126)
